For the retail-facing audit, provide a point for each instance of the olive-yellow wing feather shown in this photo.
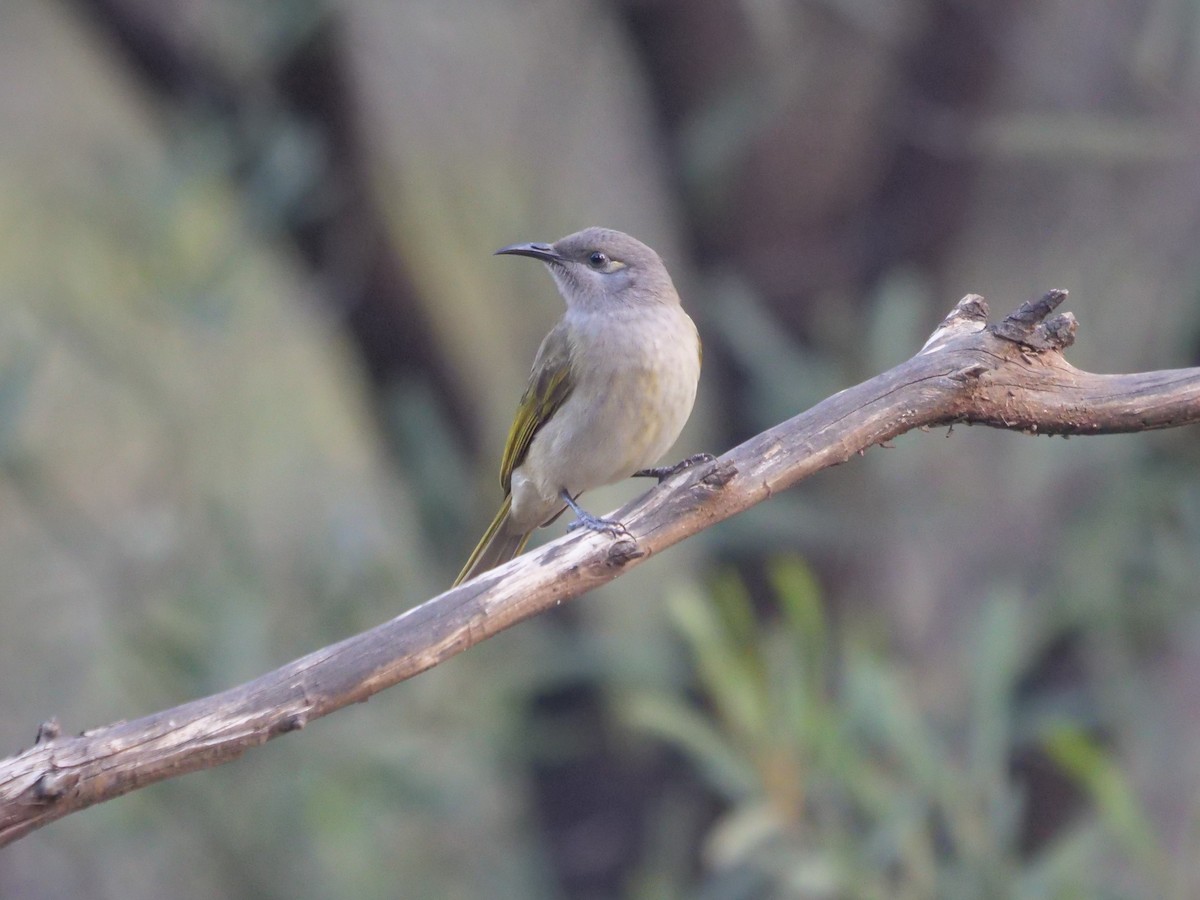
(550, 384)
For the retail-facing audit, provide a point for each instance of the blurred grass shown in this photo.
(836, 782)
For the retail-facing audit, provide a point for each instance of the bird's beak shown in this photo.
(544, 252)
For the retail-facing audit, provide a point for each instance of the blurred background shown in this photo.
(257, 364)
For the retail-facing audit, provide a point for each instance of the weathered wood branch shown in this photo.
(1011, 375)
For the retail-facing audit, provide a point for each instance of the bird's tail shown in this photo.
(498, 545)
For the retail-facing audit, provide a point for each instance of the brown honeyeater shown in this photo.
(610, 390)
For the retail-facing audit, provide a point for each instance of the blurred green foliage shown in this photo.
(835, 782)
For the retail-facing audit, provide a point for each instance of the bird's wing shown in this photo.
(550, 384)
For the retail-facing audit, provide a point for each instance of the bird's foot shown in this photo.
(584, 519)
(595, 523)
(662, 473)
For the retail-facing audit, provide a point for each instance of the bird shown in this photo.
(611, 388)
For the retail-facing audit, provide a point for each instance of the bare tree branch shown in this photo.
(1011, 375)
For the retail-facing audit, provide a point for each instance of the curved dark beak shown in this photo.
(544, 252)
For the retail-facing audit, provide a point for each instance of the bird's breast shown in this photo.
(636, 383)
(635, 380)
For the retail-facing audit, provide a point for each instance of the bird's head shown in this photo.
(598, 267)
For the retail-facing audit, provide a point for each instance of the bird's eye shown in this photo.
(597, 260)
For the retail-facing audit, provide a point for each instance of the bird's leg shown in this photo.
(662, 473)
(584, 519)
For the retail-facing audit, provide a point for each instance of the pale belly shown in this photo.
(620, 419)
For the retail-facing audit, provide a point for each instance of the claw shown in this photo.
(595, 523)
(584, 519)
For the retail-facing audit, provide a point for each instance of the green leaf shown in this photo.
(696, 737)
(1081, 757)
